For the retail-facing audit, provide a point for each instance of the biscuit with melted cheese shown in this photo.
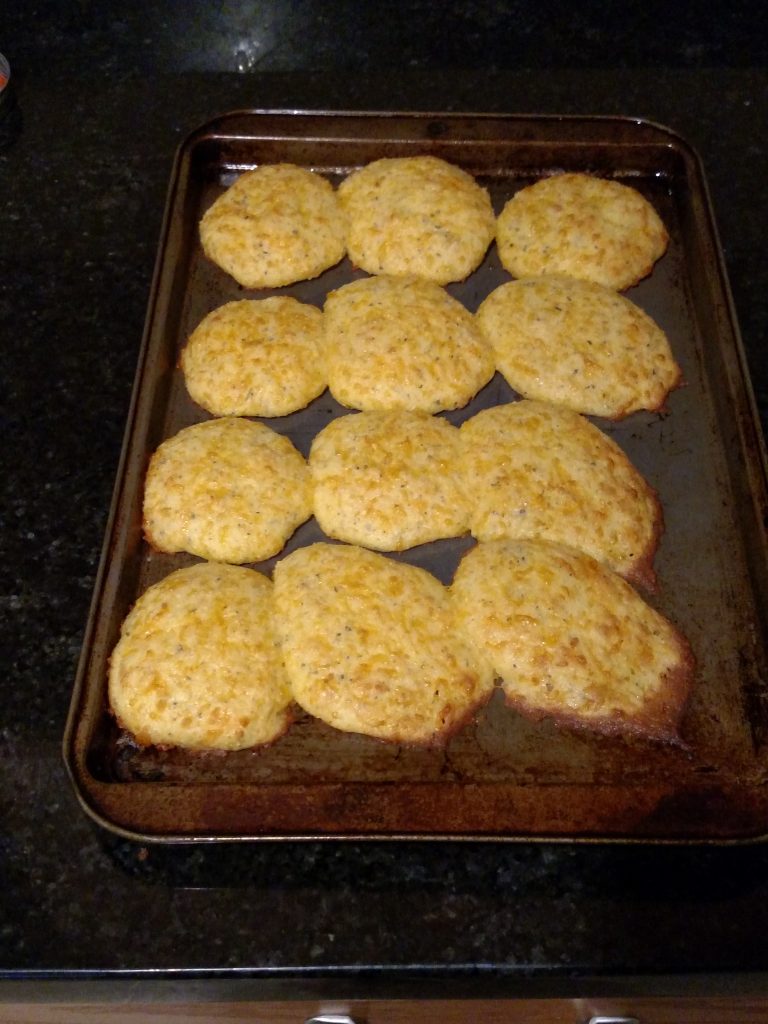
(581, 226)
(417, 216)
(229, 490)
(540, 471)
(388, 480)
(370, 645)
(275, 225)
(256, 357)
(197, 664)
(572, 641)
(578, 344)
(403, 343)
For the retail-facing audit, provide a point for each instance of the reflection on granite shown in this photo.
(242, 36)
(81, 199)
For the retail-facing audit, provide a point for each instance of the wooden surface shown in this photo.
(542, 1011)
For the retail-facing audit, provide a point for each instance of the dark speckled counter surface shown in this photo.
(106, 97)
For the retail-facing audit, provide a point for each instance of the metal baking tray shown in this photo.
(502, 777)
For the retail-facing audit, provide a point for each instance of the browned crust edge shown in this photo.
(433, 740)
(659, 719)
(642, 572)
(660, 408)
(648, 269)
(145, 744)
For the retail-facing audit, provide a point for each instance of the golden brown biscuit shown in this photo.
(572, 641)
(256, 357)
(197, 664)
(371, 647)
(578, 344)
(389, 480)
(417, 217)
(580, 226)
(540, 471)
(402, 343)
(228, 490)
(275, 225)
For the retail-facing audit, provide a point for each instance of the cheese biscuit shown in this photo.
(197, 664)
(389, 480)
(403, 343)
(275, 225)
(580, 226)
(539, 471)
(417, 217)
(578, 344)
(371, 646)
(256, 357)
(572, 641)
(228, 490)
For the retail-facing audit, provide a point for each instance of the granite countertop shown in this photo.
(82, 190)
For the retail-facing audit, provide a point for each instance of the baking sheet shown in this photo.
(502, 777)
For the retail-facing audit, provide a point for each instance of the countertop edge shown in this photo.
(427, 983)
